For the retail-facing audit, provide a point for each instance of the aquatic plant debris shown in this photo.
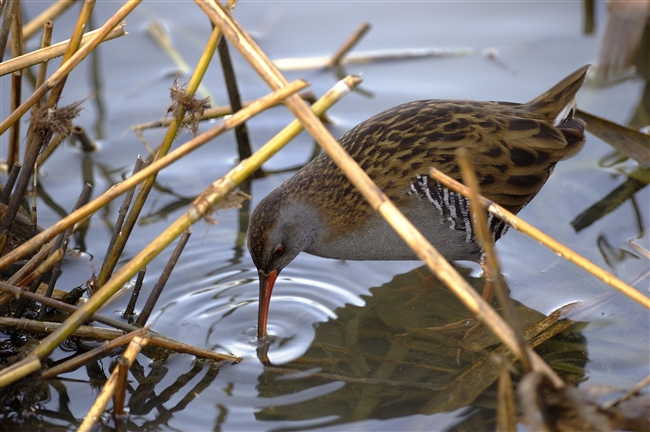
(192, 107)
(46, 120)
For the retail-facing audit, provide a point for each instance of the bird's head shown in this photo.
(279, 230)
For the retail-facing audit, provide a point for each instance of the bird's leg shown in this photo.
(488, 296)
(425, 284)
(488, 287)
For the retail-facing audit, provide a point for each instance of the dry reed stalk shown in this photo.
(639, 249)
(484, 238)
(50, 13)
(347, 46)
(36, 296)
(61, 246)
(119, 397)
(155, 293)
(422, 248)
(155, 338)
(22, 183)
(506, 412)
(319, 62)
(7, 21)
(93, 416)
(86, 211)
(66, 67)
(629, 142)
(130, 307)
(30, 265)
(209, 114)
(184, 348)
(17, 49)
(628, 394)
(241, 132)
(11, 181)
(554, 245)
(73, 46)
(45, 267)
(81, 359)
(49, 52)
(46, 42)
(49, 149)
(121, 215)
(84, 331)
(26, 366)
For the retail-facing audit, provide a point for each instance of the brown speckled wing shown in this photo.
(514, 148)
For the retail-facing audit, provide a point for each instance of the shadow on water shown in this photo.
(398, 356)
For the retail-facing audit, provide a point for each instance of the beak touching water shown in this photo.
(266, 287)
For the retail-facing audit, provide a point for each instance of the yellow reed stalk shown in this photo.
(67, 67)
(28, 267)
(81, 214)
(16, 371)
(348, 45)
(481, 229)
(210, 113)
(557, 247)
(73, 46)
(17, 49)
(506, 412)
(46, 42)
(423, 249)
(31, 265)
(106, 394)
(45, 267)
(84, 331)
(81, 359)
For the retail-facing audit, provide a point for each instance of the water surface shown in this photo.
(333, 321)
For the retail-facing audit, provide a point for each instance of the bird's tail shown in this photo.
(555, 104)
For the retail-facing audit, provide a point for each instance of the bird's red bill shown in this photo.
(266, 287)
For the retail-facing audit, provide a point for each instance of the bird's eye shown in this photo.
(279, 250)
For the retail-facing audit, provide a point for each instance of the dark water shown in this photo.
(348, 347)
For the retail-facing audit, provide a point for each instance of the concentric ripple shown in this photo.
(223, 316)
